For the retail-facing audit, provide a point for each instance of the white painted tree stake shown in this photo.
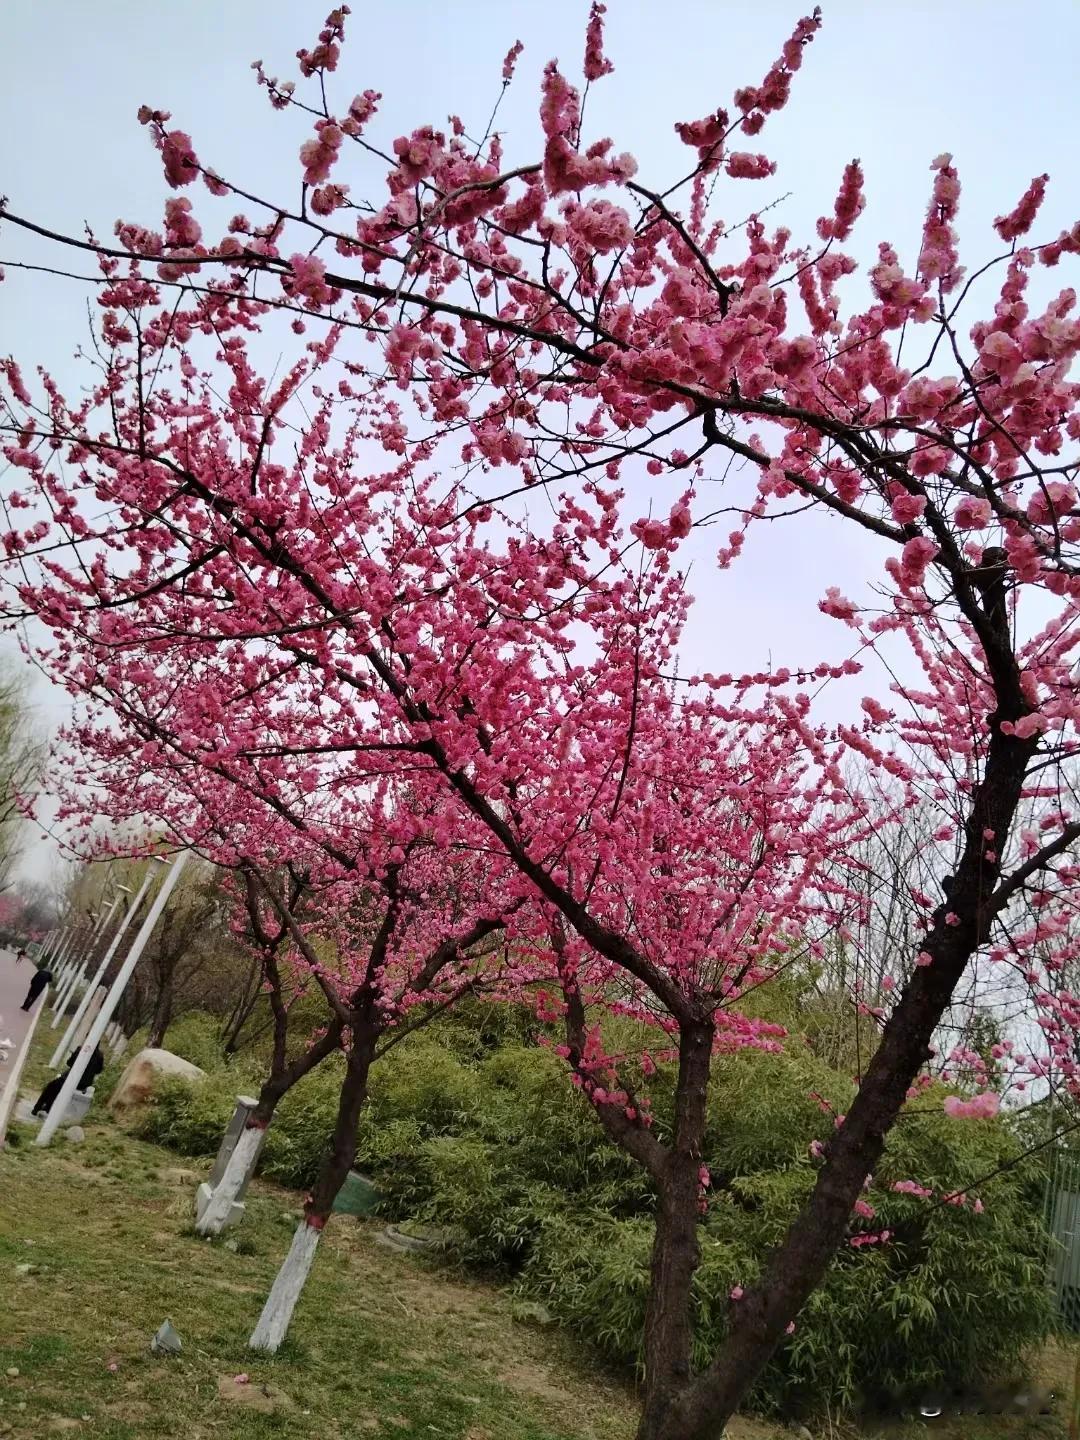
(286, 1290)
(99, 973)
(227, 1192)
(105, 1014)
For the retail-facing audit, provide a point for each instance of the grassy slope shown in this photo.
(381, 1346)
(381, 1343)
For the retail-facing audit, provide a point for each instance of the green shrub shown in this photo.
(105, 1084)
(301, 1129)
(189, 1118)
(955, 1295)
(196, 1037)
(474, 1128)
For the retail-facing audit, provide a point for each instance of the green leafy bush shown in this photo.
(300, 1133)
(189, 1118)
(194, 1036)
(474, 1128)
(954, 1295)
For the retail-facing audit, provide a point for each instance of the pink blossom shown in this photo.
(1019, 221)
(1054, 498)
(1000, 353)
(972, 513)
(911, 1187)
(907, 507)
(741, 165)
(596, 62)
(181, 164)
(837, 605)
(938, 256)
(1029, 725)
(510, 62)
(982, 1106)
(850, 203)
(915, 557)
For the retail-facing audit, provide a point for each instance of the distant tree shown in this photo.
(21, 759)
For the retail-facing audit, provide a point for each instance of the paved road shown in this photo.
(14, 1022)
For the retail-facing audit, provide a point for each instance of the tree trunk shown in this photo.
(162, 1016)
(676, 1253)
(798, 1265)
(242, 1011)
(289, 1282)
(246, 1153)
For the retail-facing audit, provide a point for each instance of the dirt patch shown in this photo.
(531, 1380)
(745, 1427)
(265, 1399)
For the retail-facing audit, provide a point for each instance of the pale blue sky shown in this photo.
(893, 84)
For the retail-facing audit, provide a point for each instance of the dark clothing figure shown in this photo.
(20, 957)
(91, 1071)
(37, 984)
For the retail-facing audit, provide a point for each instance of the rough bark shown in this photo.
(288, 1285)
(676, 1253)
(162, 1016)
(798, 1265)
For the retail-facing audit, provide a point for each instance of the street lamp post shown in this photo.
(104, 917)
(74, 975)
(59, 965)
(105, 1014)
(84, 1003)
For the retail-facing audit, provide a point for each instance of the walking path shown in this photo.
(16, 1024)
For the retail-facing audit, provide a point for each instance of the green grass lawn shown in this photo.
(381, 1344)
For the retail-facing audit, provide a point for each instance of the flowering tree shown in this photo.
(346, 892)
(357, 543)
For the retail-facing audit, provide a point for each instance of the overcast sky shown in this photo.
(894, 84)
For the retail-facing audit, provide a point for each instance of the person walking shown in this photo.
(21, 955)
(91, 1070)
(42, 978)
